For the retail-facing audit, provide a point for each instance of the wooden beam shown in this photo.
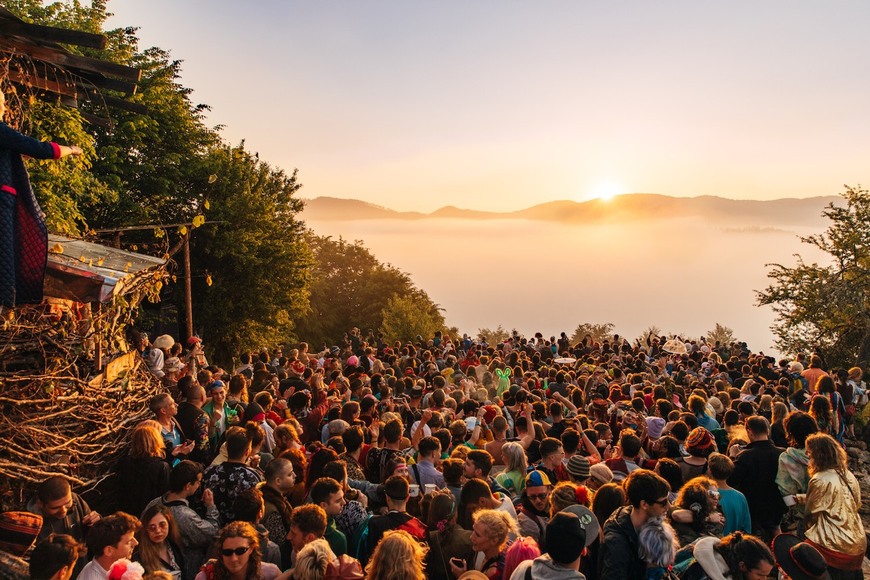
(42, 83)
(51, 34)
(61, 57)
(99, 121)
(104, 82)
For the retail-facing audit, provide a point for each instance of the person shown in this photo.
(238, 556)
(196, 533)
(54, 558)
(24, 235)
(227, 480)
(489, 538)
(249, 507)
(63, 512)
(732, 503)
(699, 444)
(520, 550)
(478, 465)
(397, 491)
(618, 553)
(832, 502)
(552, 454)
(754, 476)
(280, 479)
(164, 408)
(695, 513)
(513, 478)
(220, 415)
(193, 420)
(109, 540)
(445, 538)
(534, 513)
(328, 494)
(658, 548)
(561, 560)
(398, 555)
(734, 556)
(143, 473)
(424, 471)
(159, 541)
(798, 560)
(316, 561)
(792, 475)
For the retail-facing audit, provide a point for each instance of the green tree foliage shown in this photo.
(350, 287)
(721, 334)
(493, 335)
(407, 317)
(828, 306)
(598, 332)
(256, 254)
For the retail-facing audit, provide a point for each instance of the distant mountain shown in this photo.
(629, 207)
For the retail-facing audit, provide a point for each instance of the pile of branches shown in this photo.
(57, 414)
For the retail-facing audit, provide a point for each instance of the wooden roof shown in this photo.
(37, 60)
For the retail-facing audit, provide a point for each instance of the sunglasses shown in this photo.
(713, 493)
(238, 551)
(662, 502)
(534, 496)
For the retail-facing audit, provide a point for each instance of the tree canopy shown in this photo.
(827, 306)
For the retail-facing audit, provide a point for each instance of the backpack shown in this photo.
(416, 528)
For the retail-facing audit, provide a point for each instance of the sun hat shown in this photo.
(578, 466)
(798, 559)
(164, 341)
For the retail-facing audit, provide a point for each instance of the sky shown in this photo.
(501, 105)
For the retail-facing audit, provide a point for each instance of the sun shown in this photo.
(605, 190)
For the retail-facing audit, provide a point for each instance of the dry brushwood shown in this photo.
(54, 418)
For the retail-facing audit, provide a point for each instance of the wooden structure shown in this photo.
(34, 59)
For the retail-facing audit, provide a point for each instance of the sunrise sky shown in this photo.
(501, 105)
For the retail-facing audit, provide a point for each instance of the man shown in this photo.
(54, 559)
(280, 479)
(109, 540)
(249, 507)
(535, 511)
(754, 475)
(578, 469)
(558, 422)
(165, 410)
(627, 460)
(193, 420)
(62, 511)
(478, 464)
(551, 460)
(307, 523)
(648, 498)
(379, 458)
(565, 546)
(220, 415)
(397, 492)
(197, 533)
(424, 471)
(228, 479)
(328, 494)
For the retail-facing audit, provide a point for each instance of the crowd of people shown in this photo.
(450, 458)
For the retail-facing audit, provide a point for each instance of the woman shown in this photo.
(765, 407)
(827, 389)
(737, 556)
(696, 512)
(700, 445)
(513, 478)
(144, 473)
(238, 556)
(397, 556)
(820, 410)
(489, 536)
(832, 501)
(792, 476)
(23, 234)
(445, 538)
(777, 426)
(316, 561)
(566, 494)
(159, 542)
(670, 472)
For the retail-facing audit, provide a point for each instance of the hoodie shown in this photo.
(543, 568)
(792, 476)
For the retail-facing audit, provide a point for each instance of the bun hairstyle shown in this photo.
(750, 550)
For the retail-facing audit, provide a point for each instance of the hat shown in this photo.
(297, 366)
(588, 521)
(18, 531)
(601, 473)
(193, 340)
(716, 404)
(655, 426)
(173, 365)
(537, 479)
(164, 341)
(699, 438)
(798, 559)
(352, 360)
(578, 466)
(566, 538)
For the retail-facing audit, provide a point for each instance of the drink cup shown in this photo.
(415, 490)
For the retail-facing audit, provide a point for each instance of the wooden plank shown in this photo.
(42, 83)
(99, 121)
(63, 58)
(103, 82)
(51, 34)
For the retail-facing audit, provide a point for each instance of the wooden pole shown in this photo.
(188, 293)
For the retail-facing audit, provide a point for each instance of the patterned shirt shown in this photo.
(227, 481)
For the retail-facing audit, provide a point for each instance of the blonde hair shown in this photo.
(825, 453)
(780, 410)
(515, 457)
(313, 560)
(856, 373)
(146, 440)
(499, 525)
(397, 555)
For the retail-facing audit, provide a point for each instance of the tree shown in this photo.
(407, 317)
(721, 334)
(351, 287)
(493, 336)
(827, 306)
(598, 332)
